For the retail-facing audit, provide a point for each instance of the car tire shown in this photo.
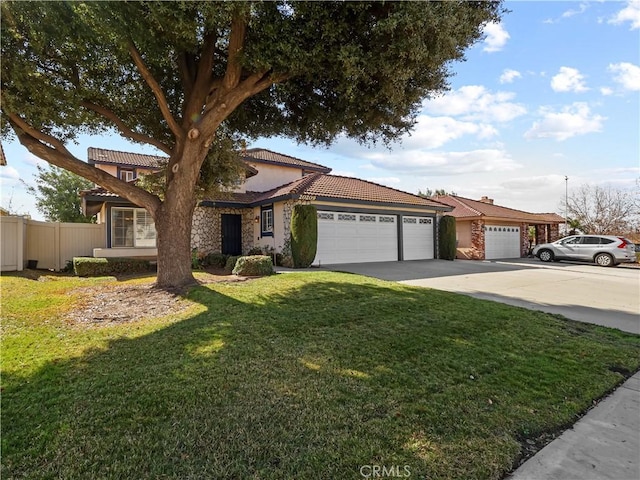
(604, 260)
(545, 255)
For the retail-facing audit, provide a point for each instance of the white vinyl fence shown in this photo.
(52, 245)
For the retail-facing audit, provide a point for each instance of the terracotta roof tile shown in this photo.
(467, 208)
(100, 155)
(267, 156)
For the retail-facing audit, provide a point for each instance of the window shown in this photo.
(132, 227)
(591, 241)
(127, 175)
(266, 224)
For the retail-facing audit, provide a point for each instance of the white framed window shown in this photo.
(266, 221)
(132, 227)
(127, 175)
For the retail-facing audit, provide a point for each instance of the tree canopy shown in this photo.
(186, 76)
(57, 193)
(603, 210)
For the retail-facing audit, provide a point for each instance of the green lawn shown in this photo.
(304, 375)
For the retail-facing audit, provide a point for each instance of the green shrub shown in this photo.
(637, 257)
(255, 251)
(217, 260)
(96, 267)
(447, 238)
(231, 263)
(254, 266)
(304, 235)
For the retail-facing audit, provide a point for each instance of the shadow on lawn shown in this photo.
(305, 380)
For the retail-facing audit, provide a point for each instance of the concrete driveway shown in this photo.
(587, 293)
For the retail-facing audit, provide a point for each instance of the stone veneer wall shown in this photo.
(206, 230)
(554, 232)
(477, 239)
(524, 239)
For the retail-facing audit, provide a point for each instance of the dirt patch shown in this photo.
(110, 304)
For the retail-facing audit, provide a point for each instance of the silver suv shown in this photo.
(605, 250)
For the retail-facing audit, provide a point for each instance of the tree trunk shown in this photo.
(174, 218)
(174, 249)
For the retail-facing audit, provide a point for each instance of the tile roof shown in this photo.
(101, 155)
(339, 188)
(267, 156)
(467, 208)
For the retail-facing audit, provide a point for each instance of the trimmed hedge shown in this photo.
(218, 260)
(231, 263)
(253, 266)
(98, 267)
(304, 235)
(447, 238)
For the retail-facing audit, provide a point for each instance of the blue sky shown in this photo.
(553, 91)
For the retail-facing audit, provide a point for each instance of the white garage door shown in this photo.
(501, 241)
(417, 238)
(356, 238)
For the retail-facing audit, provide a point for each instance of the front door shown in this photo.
(231, 234)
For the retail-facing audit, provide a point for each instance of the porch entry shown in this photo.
(231, 234)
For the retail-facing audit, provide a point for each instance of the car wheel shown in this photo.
(546, 255)
(604, 260)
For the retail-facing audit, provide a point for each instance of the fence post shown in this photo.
(20, 243)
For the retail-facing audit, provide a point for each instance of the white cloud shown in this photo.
(571, 13)
(475, 102)
(533, 183)
(509, 75)
(568, 80)
(31, 159)
(433, 132)
(606, 91)
(572, 120)
(445, 163)
(496, 37)
(9, 176)
(627, 75)
(388, 181)
(631, 13)
(9, 173)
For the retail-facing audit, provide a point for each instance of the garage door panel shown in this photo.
(501, 241)
(417, 238)
(352, 238)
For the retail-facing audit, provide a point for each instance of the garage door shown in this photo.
(356, 238)
(501, 241)
(417, 238)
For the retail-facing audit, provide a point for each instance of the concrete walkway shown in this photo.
(605, 443)
(602, 445)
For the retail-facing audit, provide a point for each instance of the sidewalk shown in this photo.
(602, 445)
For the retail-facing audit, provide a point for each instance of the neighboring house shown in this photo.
(358, 221)
(486, 231)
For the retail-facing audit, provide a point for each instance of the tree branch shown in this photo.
(37, 145)
(202, 82)
(19, 123)
(157, 92)
(236, 44)
(123, 128)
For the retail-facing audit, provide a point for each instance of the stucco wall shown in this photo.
(463, 233)
(271, 176)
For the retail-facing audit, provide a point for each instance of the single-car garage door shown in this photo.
(501, 241)
(356, 238)
(417, 238)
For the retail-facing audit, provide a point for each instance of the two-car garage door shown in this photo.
(345, 237)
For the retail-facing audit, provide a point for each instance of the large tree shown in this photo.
(603, 209)
(183, 76)
(57, 193)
